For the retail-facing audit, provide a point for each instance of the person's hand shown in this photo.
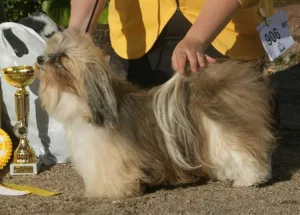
(191, 50)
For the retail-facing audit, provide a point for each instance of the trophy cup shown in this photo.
(25, 161)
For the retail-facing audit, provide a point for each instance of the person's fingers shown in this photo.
(210, 59)
(192, 57)
(174, 62)
(201, 60)
(181, 61)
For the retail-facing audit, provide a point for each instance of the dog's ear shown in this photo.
(100, 95)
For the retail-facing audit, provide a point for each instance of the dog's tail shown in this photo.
(181, 137)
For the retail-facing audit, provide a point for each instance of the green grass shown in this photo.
(59, 11)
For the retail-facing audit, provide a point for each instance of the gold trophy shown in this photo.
(25, 161)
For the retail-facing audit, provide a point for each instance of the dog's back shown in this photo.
(231, 91)
(229, 96)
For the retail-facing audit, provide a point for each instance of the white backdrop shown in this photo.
(46, 135)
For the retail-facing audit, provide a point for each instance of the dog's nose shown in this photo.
(40, 60)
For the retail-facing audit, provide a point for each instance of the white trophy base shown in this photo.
(25, 169)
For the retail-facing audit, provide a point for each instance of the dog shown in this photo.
(214, 123)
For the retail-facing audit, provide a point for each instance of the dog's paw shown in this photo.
(250, 182)
(244, 183)
(136, 189)
(130, 190)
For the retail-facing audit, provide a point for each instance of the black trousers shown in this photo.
(155, 67)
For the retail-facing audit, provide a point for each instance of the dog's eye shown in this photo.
(51, 56)
(56, 59)
(58, 64)
(56, 56)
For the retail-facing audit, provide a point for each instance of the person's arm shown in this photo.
(214, 16)
(81, 12)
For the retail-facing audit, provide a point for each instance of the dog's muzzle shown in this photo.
(40, 60)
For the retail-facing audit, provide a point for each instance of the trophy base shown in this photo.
(25, 169)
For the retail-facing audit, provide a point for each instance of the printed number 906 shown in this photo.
(272, 36)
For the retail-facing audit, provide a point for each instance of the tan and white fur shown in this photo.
(215, 123)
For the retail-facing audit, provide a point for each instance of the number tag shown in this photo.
(275, 36)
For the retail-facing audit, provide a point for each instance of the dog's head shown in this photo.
(73, 68)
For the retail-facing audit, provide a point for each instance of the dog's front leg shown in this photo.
(105, 161)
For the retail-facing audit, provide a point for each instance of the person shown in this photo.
(155, 38)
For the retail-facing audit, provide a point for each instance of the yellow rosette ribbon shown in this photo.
(5, 148)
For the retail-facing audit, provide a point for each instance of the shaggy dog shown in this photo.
(214, 123)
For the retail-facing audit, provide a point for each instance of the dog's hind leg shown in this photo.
(235, 157)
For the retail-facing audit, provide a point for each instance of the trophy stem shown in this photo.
(24, 153)
(22, 105)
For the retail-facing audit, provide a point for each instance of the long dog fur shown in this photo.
(215, 123)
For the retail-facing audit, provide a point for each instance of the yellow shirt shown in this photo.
(136, 24)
